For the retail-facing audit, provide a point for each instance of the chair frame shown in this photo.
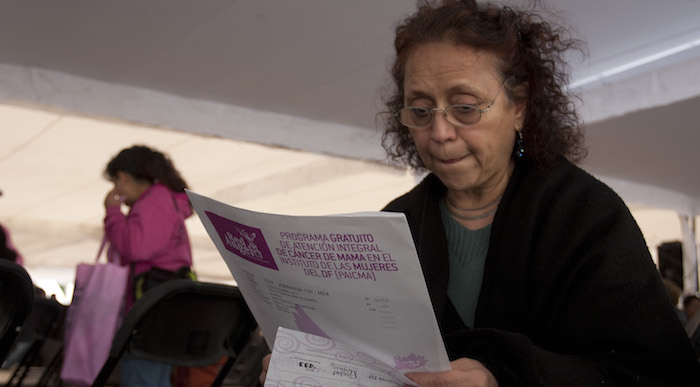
(151, 317)
(45, 322)
(16, 299)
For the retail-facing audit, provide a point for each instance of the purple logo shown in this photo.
(246, 242)
(410, 362)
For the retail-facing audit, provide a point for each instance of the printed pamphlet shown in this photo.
(353, 279)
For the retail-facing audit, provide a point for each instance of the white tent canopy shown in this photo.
(306, 75)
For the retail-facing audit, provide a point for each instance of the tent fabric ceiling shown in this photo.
(278, 56)
(646, 134)
(308, 75)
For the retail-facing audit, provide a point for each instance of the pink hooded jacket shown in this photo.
(153, 234)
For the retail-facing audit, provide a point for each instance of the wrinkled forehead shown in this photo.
(451, 65)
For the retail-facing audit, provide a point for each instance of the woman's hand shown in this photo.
(465, 373)
(112, 199)
(265, 365)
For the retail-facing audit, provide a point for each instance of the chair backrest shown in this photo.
(247, 367)
(45, 319)
(183, 323)
(16, 298)
(42, 333)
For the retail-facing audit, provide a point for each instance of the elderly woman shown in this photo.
(538, 273)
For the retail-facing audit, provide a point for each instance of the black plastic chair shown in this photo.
(16, 298)
(248, 365)
(183, 323)
(44, 326)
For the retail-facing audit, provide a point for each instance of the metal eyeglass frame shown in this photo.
(445, 110)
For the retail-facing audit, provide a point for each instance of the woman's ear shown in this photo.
(519, 101)
(520, 114)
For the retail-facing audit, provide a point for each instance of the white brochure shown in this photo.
(354, 279)
(302, 359)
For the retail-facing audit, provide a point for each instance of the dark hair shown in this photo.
(146, 164)
(5, 251)
(530, 54)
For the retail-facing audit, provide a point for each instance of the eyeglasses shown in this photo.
(458, 114)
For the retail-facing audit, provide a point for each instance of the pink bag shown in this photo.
(92, 319)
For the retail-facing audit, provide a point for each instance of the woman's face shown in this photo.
(128, 188)
(474, 158)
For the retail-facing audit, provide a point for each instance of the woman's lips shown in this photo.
(451, 160)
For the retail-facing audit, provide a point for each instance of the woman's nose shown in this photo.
(442, 130)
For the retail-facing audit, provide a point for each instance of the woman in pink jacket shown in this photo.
(151, 238)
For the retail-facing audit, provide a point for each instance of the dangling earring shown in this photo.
(519, 147)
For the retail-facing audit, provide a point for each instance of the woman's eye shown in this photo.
(462, 109)
(420, 112)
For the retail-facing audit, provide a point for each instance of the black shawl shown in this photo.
(570, 295)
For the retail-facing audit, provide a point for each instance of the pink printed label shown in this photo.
(244, 241)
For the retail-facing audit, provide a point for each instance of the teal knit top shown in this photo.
(467, 251)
